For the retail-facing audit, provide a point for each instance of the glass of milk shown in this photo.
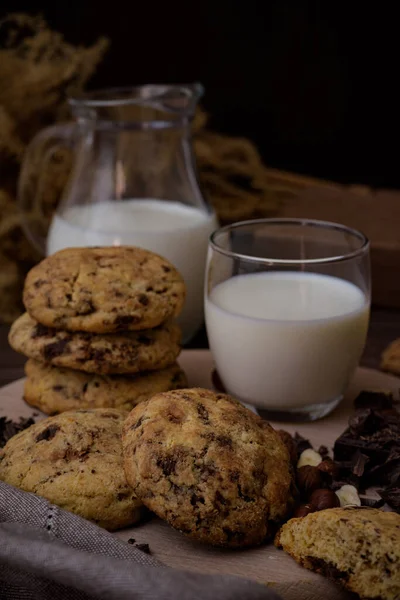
(287, 305)
(132, 181)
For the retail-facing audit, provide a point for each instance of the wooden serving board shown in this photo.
(265, 564)
(375, 212)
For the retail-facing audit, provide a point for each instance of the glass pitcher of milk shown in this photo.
(133, 181)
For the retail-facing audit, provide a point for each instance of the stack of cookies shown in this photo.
(99, 329)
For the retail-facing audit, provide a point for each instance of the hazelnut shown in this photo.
(303, 510)
(308, 479)
(328, 467)
(348, 495)
(309, 457)
(290, 444)
(322, 499)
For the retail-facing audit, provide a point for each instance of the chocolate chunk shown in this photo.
(369, 450)
(371, 502)
(42, 331)
(391, 495)
(388, 472)
(10, 428)
(359, 460)
(323, 451)
(167, 464)
(144, 548)
(373, 400)
(55, 349)
(328, 569)
(48, 433)
(301, 443)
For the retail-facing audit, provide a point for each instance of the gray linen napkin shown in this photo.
(49, 554)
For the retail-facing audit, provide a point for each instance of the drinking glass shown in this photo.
(287, 305)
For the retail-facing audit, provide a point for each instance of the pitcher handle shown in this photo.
(40, 159)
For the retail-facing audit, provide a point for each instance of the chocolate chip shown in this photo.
(47, 434)
(58, 388)
(203, 413)
(195, 499)
(85, 387)
(87, 308)
(237, 536)
(122, 320)
(224, 440)
(143, 299)
(207, 470)
(55, 349)
(39, 282)
(219, 498)
(167, 464)
(244, 496)
(138, 423)
(123, 496)
(165, 268)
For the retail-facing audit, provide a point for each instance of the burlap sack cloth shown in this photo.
(48, 553)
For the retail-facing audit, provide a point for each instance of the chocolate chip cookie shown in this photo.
(124, 352)
(390, 360)
(208, 466)
(54, 390)
(103, 290)
(356, 547)
(75, 461)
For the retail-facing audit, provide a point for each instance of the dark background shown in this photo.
(314, 84)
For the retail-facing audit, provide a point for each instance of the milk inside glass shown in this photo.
(173, 230)
(286, 340)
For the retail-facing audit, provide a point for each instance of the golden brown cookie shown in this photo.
(208, 466)
(356, 547)
(124, 352)
(390, 360)
(54, 390)
(75, 461)
(103, 290)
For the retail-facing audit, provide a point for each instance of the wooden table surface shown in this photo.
(384, 327)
